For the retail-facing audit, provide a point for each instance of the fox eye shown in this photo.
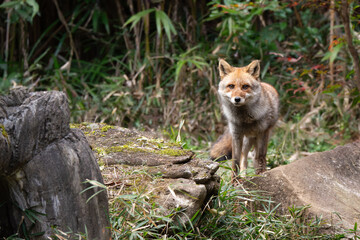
(245, 86)
(231, 86)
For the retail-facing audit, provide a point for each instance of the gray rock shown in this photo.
(184, 195)
(166, 174)
(327, 181)
(43, 165)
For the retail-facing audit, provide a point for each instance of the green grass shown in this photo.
(230, 215)
(235, 213)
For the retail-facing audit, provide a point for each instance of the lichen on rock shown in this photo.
(135, 162)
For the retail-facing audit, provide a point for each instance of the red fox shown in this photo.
(251, 108)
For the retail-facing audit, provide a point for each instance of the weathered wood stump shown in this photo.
(43, 166)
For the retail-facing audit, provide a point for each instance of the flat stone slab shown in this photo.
(328, 181)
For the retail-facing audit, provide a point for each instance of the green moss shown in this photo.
(134, 148)
(139, 144)
(123, 148)
(106, 128)
(75, 125)
(101, 163)
(79, 125)
(89, 131)
(158, 143)
(172, 152)
(82, 126)
(173, 144)
(100, 151)
(4, 133)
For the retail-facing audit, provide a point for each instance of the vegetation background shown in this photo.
(152, 64)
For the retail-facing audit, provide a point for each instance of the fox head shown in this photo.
(239, 85)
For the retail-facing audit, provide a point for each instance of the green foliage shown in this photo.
(160, 81)
(162, 21)
(331, 55)
(61, 235)
(232, 214)
(96, 185)
(355, 232)
(237, 17)
(187, 59)
(25, 227)
(23, 9)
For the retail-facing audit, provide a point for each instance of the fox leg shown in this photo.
(261, 150)
(237, 143)
(247, 144)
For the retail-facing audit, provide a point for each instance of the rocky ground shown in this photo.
(134, 162)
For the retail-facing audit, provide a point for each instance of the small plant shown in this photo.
(29, 218)
(355, 233)
(65, 235)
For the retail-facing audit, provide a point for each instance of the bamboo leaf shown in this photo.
(158, 22)
(331, 55)
(166, 22)
(95, 20)
(105, 21)
(35, 7)
(179, 66)
(10, 4)
(137, 17)
(94, 195)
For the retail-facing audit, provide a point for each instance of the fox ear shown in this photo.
(254, 69)
(224, 68)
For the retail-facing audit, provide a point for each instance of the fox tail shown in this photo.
(222, 149)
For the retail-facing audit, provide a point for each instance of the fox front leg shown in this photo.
(261, 150)
(237, 144)
(247, 144)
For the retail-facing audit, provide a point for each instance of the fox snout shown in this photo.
(235, 98)
(237, 101)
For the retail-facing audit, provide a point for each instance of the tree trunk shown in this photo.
(354, 54)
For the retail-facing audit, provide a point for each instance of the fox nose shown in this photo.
(237, 99)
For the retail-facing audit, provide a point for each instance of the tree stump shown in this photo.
(43, 166)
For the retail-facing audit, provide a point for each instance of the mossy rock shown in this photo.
(159, 172)
(117, 145)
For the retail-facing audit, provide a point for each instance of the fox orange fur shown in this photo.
(251, 108)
